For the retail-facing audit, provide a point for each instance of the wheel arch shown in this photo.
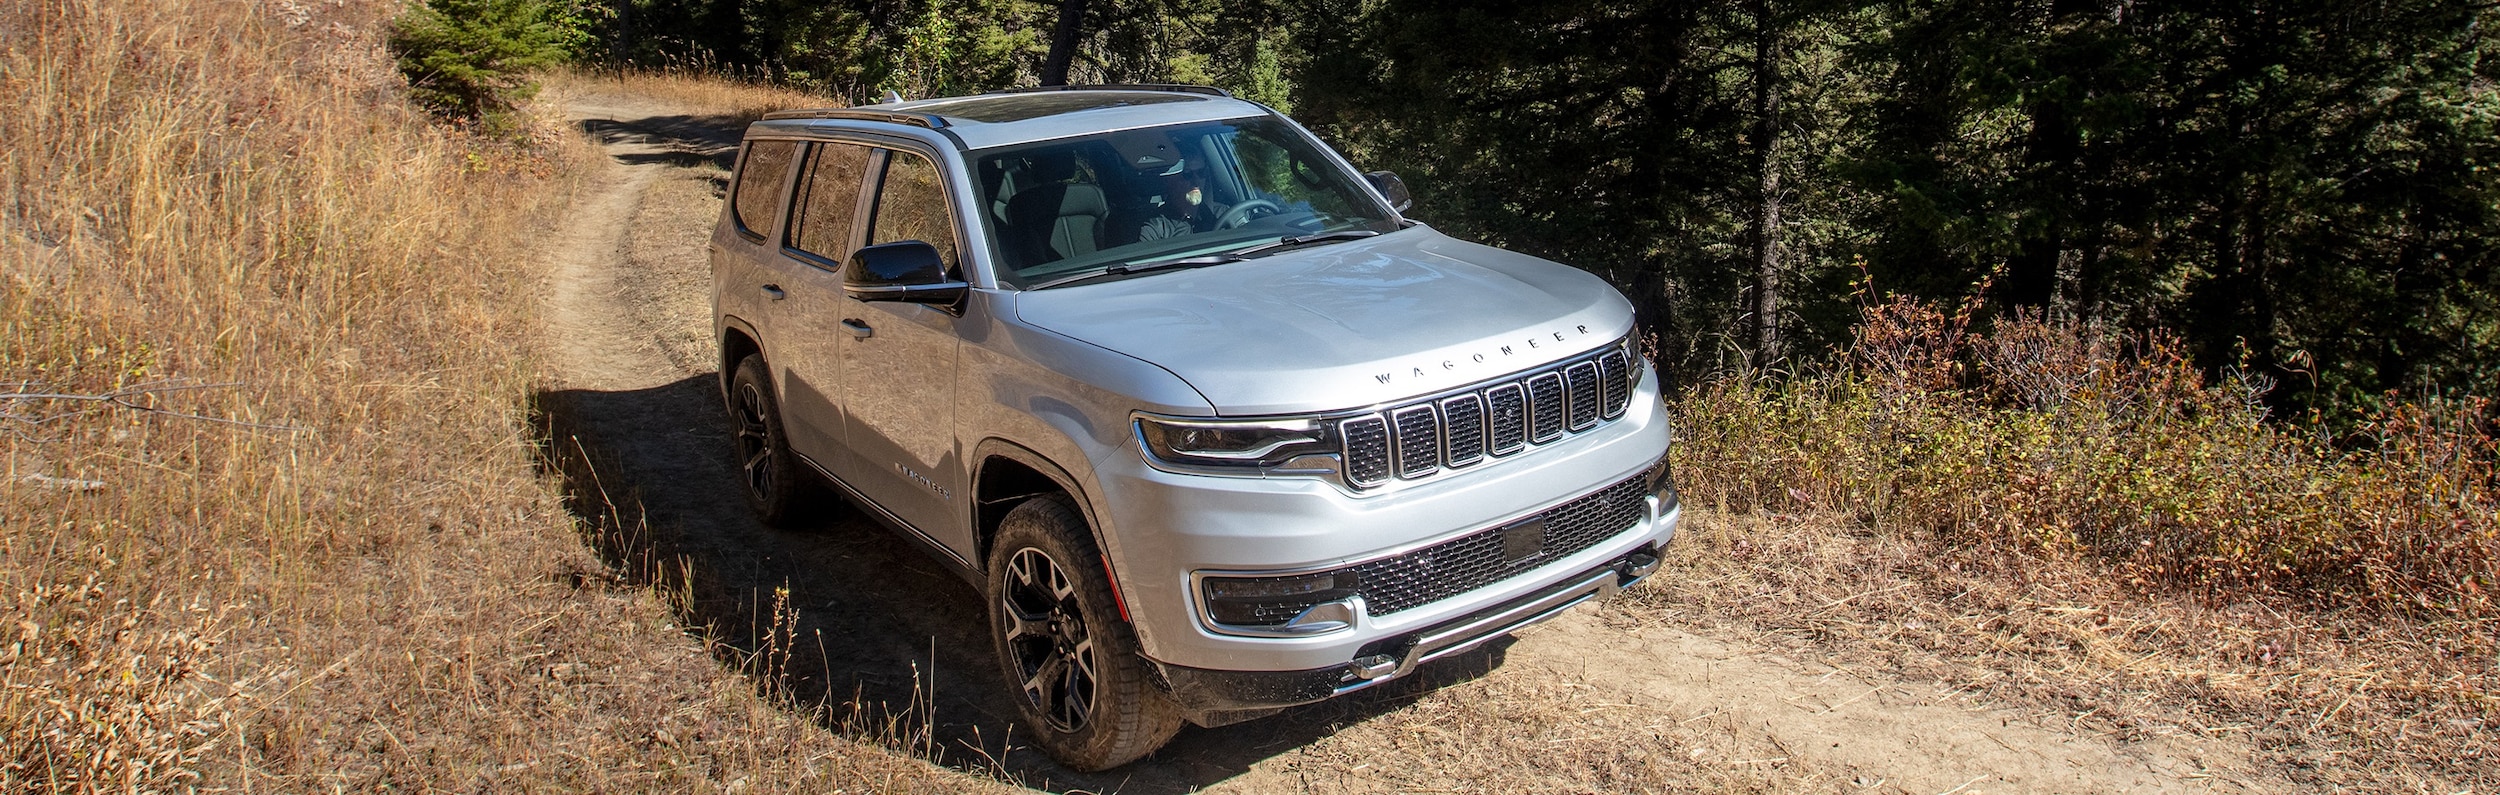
(738, 340)
(1008, 473)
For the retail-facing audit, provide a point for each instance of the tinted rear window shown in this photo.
(828, 195)
(759, 183)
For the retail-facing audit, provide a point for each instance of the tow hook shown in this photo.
(1373, 667)
(1637, 565)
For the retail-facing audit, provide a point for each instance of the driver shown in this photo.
(1183, 207)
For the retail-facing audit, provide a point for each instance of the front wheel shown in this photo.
(1081, 687)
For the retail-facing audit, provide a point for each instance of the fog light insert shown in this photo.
(1272, 602)
(1662, 482)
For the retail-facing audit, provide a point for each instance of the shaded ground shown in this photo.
(849, 615)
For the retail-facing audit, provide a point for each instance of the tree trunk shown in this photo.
(1765, 330)
(1063, 42)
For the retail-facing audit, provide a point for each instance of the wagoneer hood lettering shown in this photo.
(1344, 325)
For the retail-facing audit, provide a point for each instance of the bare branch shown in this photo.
(126, 398)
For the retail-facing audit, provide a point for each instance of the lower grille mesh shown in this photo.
(1464, 564)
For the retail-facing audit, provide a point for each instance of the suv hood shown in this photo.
(1345, 325)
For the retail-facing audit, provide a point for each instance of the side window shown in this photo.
(911, 205)
(759, 183)
(828, 199)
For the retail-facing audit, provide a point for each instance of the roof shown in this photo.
(1015, 117)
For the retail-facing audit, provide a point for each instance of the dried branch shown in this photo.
(124, 398)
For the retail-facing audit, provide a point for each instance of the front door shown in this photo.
(898, 365)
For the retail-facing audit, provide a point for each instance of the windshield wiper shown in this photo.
(1304, 240)
(1126, 268)
(1203, 260)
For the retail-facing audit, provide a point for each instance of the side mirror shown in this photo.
(908, 271)
(1391, 188)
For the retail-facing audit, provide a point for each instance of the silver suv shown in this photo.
(1214, 428)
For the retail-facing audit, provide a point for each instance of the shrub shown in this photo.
(2052, 439)
(470, 59)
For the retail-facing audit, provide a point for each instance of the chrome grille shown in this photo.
(1454, 431)
(1462, 430)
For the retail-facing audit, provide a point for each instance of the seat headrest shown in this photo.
(1054, 166)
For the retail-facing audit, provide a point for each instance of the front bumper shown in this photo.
(1168, 530)
(1217, 697)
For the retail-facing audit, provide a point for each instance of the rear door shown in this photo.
(744, 266)
(823, 229)
(898, 365)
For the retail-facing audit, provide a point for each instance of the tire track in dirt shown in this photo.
(894, 643)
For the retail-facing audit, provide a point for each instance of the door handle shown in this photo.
(774, 292)
(858, 330)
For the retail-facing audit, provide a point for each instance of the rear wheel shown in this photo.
(1080, 685)
(776, 488)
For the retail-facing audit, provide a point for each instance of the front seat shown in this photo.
(1057, 219)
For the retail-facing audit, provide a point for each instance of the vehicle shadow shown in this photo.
(846, 619)
(683, 141)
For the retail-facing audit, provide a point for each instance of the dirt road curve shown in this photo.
(1590, 702)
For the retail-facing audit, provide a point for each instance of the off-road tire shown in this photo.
(1069, 619)
(777, 487)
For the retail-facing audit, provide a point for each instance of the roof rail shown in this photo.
(929, 120)
(1179, 87)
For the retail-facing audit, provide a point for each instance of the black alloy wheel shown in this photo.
(1049, 647)
(768, 472)
(1082, 687)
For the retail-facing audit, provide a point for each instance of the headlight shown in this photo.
(1234, 443)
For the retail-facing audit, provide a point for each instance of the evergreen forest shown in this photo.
(2300, 193)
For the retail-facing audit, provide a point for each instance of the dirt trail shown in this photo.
(1585, 703)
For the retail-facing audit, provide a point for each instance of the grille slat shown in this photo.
(1476, 560)
(1584, 395)
(1619, 383)
(1366, 450)
(1462, 430)
(1419, 440)
(1545, 408)
(1507, 407)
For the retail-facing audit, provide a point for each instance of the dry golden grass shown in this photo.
(2080, 522)
(742, 102)
(350, 575)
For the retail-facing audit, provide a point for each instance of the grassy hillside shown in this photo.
(304, 546)
(2075, 518)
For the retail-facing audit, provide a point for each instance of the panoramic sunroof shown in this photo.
(1020, 107)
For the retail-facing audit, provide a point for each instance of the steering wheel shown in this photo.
(1240, 214)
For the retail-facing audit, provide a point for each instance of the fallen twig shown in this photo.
(127, 398)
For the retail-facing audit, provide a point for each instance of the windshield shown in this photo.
(1124, 201)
